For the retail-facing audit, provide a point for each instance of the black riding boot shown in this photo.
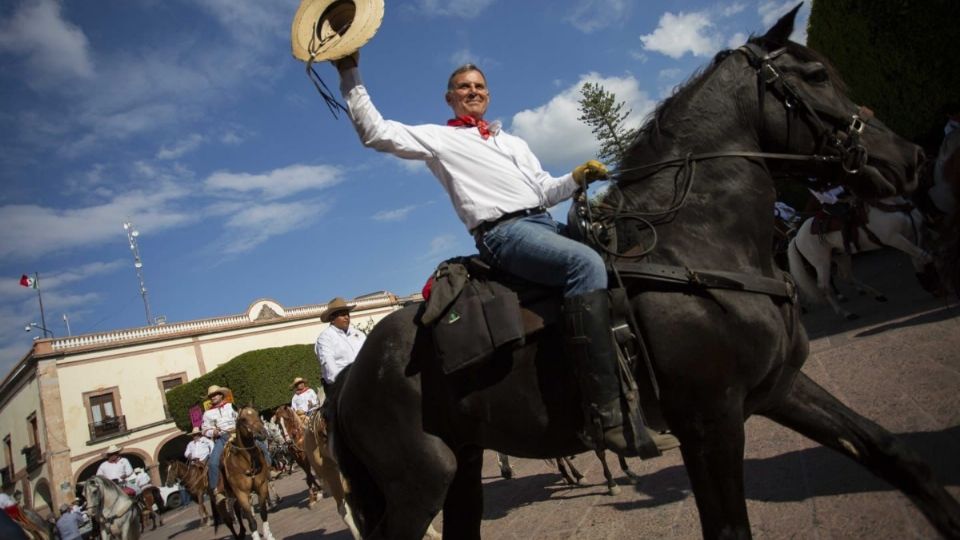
(591, 345)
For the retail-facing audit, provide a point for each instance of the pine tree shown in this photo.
(600, 110)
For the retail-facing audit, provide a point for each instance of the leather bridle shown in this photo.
(838, 141)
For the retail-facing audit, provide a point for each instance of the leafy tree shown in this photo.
(260, 377)
(898, 57)
(605, 115)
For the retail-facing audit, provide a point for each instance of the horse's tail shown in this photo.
(799, 272)
(366, 501)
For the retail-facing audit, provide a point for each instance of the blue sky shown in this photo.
(191, 119)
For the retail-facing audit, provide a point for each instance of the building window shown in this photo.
(34, 429)
(8, 453)
(104, 414)
(166, 383)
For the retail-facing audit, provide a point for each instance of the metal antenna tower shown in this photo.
(132, 235)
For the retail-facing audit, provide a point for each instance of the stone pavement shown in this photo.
(899, 366)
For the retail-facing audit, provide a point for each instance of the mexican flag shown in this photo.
(28, 281)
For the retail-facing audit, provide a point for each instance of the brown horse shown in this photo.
(316, 446)
(193, 477)
(149, 497)
(294, 429)
(244, 470)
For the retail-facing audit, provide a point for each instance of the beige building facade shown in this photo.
(70, 398)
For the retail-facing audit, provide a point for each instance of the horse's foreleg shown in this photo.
(712, 449)
(612, 487)
(263, 491)
(813, 412)
(503, 461)
(633, 477)
(463, 507)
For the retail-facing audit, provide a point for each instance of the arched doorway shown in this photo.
(171, 450)
(42, 494)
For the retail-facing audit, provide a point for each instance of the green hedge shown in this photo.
(898, 57)
(259, 377)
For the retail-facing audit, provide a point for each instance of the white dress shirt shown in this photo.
(199, 448)
(223, 418)
(337, 349)
(305, 401)
(115, 471)
(485, 179)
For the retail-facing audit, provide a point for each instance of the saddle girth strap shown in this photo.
(782, 288)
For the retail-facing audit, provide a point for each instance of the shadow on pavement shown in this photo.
(813, 472)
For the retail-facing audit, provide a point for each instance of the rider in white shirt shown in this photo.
(199, 448)
(338, 345)
(304, 398)
(116, 467)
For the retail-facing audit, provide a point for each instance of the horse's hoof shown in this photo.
(881, 298)
(852, 317)
(613, 490)
(506, 473)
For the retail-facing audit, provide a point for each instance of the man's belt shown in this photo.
(485, 226)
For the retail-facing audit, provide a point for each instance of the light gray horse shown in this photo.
(117, 514)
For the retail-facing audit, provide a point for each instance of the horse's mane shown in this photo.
(650, 135)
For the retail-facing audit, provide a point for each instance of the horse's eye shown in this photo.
(817, 74)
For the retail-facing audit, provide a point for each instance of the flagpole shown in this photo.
(43, 319)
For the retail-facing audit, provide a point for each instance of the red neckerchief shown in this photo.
(466, 120)
(222, 403)
(305, 388)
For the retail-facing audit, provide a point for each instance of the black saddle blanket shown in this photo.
(474, 310)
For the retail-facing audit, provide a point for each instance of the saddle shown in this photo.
(844, 218)
(474, 310)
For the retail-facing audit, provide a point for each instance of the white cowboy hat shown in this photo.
(113, 449)
(335, 306)
(297, 380)
(214, 389)
(333, 29)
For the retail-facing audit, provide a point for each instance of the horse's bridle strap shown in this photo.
(709, 279)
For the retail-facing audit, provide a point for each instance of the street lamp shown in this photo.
(40, 327)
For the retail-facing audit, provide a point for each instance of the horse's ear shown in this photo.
(780, 33)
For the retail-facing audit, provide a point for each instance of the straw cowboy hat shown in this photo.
(216, 390)
(297, 380)
(113, 449)
(334, 306)
(333, 29)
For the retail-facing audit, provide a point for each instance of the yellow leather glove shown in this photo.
(590, 171)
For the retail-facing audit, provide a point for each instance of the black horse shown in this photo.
(409, 439)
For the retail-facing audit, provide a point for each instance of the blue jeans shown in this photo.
(534, 248)
(213, 462)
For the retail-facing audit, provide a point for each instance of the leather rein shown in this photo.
(838, 145)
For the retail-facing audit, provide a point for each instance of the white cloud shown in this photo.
(733, 9)
(555, 135)
(591, 15)
(181, 147)
(277, 183)
(465, 9)
(55, 50)
(29, 231)
(677, 35)
(253, 225)
(396, 214)
(737, 40)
